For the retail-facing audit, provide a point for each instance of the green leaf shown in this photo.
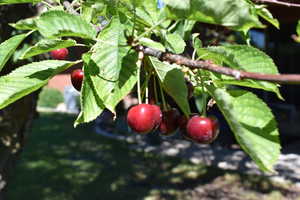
(267, 15)
(175, 43)
(47, 45)
(109, 52)
(184, 28)
(298, 28)
(197, 43)
(3, 2)
(252, 123)
(233, 13)
(150, 43)
(25, 24)
(173, 82)
(8, 47)
(91, 104)
(149, 12)
(244, 58)
(57, 23)
(28, 78)
(125, 83)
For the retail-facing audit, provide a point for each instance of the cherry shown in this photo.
(141, 118)
(202, 129)
(182, 122)
(169, 123)
(77, 78)
(157, 114)
(59, 54)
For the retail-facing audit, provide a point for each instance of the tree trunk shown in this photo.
(16, 118)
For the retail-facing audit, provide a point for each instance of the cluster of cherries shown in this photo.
(144, 118)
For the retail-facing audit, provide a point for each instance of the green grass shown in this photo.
(50, 98)
(62, 163)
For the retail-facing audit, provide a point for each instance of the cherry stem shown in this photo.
(165, 108)
(134, 21)
(203, 96)
(154, 88)
(139, 65)
(147, 95)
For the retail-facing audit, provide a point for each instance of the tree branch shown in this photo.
(210, 66)
(278, 3)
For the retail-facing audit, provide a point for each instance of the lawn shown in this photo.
(63, 163)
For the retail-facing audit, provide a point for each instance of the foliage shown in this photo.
(112, 66)
(50, 98)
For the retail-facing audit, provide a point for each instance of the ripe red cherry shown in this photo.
(202, 129)
(59, 54)
(157, 114)
(169, 122)
(77, 78)
(141, 118)
(182, 122)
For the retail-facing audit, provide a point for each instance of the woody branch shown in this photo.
(210, 66)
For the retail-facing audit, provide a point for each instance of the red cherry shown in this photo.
(141, 118)
(182, 122)
(202, 129)
(77, 78)
(59, 54)
(157, 114)
(169, 123)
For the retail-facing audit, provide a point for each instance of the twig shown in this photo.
(278, 3)
(210, 66)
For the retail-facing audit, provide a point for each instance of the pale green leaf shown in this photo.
(28, 78)
(57, 23)
(233, 13)
(184, 28)
(125, 83)
(173, 82)
(267, 15)
(25, 24)
(153, 44)
(109, 52)
(8, 47)
(175, 43)
(298, 28)
(91, 104)
(3, 2)
(252, 123)
(244, 58)
(47, 45)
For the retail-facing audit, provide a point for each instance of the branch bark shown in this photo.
(210, 66)
(282, 3)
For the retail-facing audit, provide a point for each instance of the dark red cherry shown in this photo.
(182, 122)
(77, 78)
(157, 114)
(169, 122)
(59, 54)
(141, 118)
(202, 129)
